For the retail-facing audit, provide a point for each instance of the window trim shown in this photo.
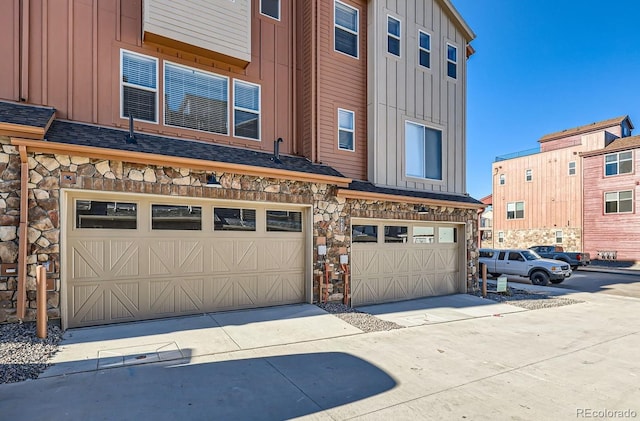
(575, 168)
(352, 131)
(515, 211)
(421, 49)
(398, 37)
(269, 16)
(618, 162)
(122, 84)
(502, 179)
(356, 33)
(451, 61)
(234, 108)
(164, 88)
(618, 202)
(528, 175)
(443, 169)
(500, 236)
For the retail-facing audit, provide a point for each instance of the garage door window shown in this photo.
(234, 219)
(423, 235)
(447, 235)
(284, 221)
(176, 217)
(393, 234)
(364, 234)
(107, 215)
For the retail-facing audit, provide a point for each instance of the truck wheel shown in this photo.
(557, 281)
(539, 278)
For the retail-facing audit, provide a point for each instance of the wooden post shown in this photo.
(41, 301)
(484, 280)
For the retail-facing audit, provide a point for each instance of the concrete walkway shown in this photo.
(299, 362)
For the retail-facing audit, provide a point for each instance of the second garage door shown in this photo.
(394, 261)
(132, 258)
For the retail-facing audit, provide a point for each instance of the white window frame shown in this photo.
(500, 236)
(352, 131)
(559, 237)
(269, 16)
(617, 193)
(618, 162)
(356, 32)
(397, 37)
(515, 210)
(572, 168)
(528, 175)
(156, 90)
(244, 82)
(502, 179)
(442, 163)
(455, 62)
(214, 75)
(421, 49)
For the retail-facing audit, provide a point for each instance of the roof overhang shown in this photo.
(28, 132)
(164, 160)
(357, 194)
(458, 20)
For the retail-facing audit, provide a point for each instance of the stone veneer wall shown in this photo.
(571, 238)
(331, 214)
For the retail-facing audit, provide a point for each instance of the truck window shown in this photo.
(501, 255)
(530, 255)
(513, 255)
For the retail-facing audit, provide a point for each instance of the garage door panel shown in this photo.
(190, 257)
(364, 261)
(282, 255)
(283, 288)
(124, 300)
(87, 260)
(234, 255)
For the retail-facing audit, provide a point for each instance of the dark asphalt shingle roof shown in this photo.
(365, 186)
(25, 115)
(102, 137)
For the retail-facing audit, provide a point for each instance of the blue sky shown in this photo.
(543, 66)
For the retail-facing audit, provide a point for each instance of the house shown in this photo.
(486, 223)
(611, 216)
(173, 158)
(544, 196)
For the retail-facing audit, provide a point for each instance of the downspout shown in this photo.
(22, 234)
(24, 51)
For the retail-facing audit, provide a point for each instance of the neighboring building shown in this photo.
(486, 224)
(540, 196)
(611, 212)
(261, 130)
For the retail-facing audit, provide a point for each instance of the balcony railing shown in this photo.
(517, 154)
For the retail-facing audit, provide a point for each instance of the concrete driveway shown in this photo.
(479, 360)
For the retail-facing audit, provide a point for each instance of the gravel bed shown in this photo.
(527, 299)
(363, 321)
(23, 355)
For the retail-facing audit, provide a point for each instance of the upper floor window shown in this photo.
(195, 100)
(500, 237)
(618, 202)
(626, 130)
(270, 8)
(246, 110)
(502, 179)
(346, 29)
(452, 61)
(528, 175)
(423, 154)
(515, 210)
(346, 129)
(424, 49)
(572, 168)
(139, 86)
(393, 36)
(618, 163)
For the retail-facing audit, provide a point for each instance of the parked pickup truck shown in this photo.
(525, 263)
(557, 253)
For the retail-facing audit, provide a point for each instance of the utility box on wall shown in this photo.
(8, 269)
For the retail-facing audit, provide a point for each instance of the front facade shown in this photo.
(156, 171)
(541, 197)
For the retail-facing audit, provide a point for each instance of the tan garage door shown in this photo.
(132, 258)
(394, 261)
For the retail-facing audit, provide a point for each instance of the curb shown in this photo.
(604, 269)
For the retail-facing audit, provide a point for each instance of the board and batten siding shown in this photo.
(610, 232)
(552, 199)
(222, 26)
(72, 63)
(400, 90)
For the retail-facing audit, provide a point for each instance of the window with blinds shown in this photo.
(195, 100)
(139, 86)
(246, 110)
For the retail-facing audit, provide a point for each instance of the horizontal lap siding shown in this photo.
(610, 232)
